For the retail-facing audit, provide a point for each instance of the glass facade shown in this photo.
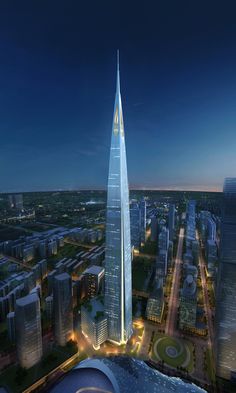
(28, 330)
(135, 223)
(63, 312)
(118, 288)
(226, 286)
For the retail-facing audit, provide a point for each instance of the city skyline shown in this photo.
(118, 196)
(179, 94)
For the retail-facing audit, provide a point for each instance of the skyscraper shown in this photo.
(143, 212)
(135, 225)
(118, 288)
(171, 220)
(225, 339)
(28, 330)
(62, 305)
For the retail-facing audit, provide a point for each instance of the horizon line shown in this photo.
(168, 189)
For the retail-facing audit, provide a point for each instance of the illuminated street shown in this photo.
(173, 302)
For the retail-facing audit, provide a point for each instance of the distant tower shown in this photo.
(15, 201)
(11, 326)
(225, 338)
(154, 228)
(28, 330)
(118, 288)
(143, 211)
(135, 225)
(171, 220)
(62, 306)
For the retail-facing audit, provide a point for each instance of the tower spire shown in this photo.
(118, 72)
(117, 59)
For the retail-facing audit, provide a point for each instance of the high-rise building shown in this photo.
(154, 228)
(118, 288)
(49, 307)
(11, 326)
(94, 322)
(28, 330)
(143, 213)
(171, 220)
(225, 338)
(94, 277)
(188, 303)
(62, 306)
(155, 303)
(16, 201)
(135, 225)
(163, 240)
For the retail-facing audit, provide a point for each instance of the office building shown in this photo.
(62, 306)
(28, 330)
(93, 277)
(135, 225)
(225, 337)
(118, 288)
(94, 322)
(163, 239)
(11, 326)
(155, 304)
(161, 264)
(188, 303)
(171, 221)
(49, 307)
(16, 201)
(143, 220)
(154, 228)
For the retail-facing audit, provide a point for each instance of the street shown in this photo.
(173, 302)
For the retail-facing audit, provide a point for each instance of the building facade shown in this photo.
(62, 306)
(94, 322)
(28, 330)
(171, 220)
(135, 225)
(143, 213)
(118, 288)
(225, 338)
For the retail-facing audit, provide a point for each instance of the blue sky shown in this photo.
(57, 87)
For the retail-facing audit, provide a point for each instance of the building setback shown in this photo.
(118, 288)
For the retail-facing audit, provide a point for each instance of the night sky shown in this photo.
(57, 87)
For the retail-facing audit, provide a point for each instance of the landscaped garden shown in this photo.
(174, 352)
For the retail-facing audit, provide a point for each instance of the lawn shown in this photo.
(182, 347)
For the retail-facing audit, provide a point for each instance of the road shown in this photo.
(79, 244)
(207, 306)
(17, 261)
(174, 295)
(59, 369)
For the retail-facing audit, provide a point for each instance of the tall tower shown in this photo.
(63, 311)
(143, 211)
(225, 338)
(28, 330)
(118, 288)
